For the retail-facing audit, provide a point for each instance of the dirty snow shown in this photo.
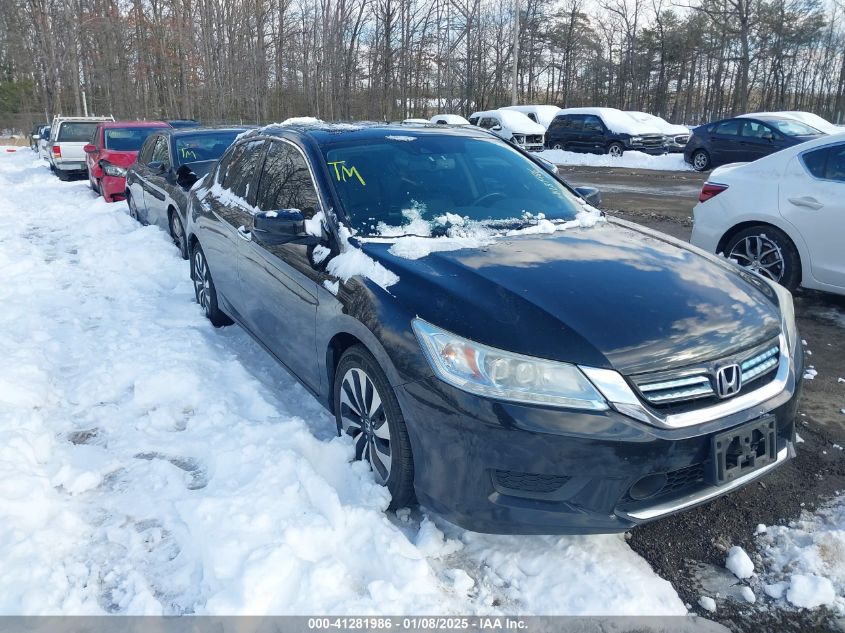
(630, 159)
(707, 603)
(152, 464)
(805, 561)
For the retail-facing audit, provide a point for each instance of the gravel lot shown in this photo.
(689, 549)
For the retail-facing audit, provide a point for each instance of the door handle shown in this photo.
(806, 201)
(244, 234)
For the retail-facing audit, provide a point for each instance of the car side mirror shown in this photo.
(156, 165)
(285, 226)
(185, 177)
(590, 194)
(89, 148)
(496, 128)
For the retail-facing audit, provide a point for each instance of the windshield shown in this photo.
(127, 139)
(72, 132)
(791, 127)
(191, 148)
(390, 182)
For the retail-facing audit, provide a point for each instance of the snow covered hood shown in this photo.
(660, 123)
(608, 295)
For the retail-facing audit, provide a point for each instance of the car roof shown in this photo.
(327, 133)
(113, 124)
(193, 131)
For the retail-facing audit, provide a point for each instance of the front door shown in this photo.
(812, 198)
(278, 281)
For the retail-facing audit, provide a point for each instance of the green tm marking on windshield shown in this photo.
(345, 172)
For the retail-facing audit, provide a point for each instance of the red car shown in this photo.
(112, 150)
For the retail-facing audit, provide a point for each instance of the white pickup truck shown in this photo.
(68, 135)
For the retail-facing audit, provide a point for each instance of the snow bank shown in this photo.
(805, 561)
(152, 464)
(633, 160)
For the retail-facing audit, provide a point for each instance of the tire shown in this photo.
(616, 149)
(557, 145)
(204, 291)
(62, 175)
(700, 160)
(356, 371)
(779, 261)
(177, 233)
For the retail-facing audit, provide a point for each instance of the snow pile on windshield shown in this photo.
(805, 561)
(416, 238)
(152, 464)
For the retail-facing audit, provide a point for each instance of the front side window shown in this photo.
(753, 129)
(487, 123)
(286, 181)
(146, 153)
(386, 181)
(241, 168)
(127, 139)
(593, 124)
(827, 163)
(75, 132)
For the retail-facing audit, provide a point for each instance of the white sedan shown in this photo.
(782, 216)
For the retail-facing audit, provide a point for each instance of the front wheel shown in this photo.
(366, 409)
(557, 145)
(177, 234)
(616, 150)
(767, 251)
(700, 160)
(204, 290)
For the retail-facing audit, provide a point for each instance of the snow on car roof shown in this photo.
(616, 120)
(450, 119)
(659, 122)
(516, 121)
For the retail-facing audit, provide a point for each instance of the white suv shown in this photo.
(68, 137)
(512, 126)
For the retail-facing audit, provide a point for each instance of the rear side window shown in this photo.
(126, 139)
(286, 181)
(73, 132)
(827, 163)
(146, 153)
(488, 122)
(241, 168)
(160, 153)
(728, 128)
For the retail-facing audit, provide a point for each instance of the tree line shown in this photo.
(257, 61)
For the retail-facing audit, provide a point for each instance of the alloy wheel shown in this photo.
(364, 419)
(761, 255)
(615, 150)
(700, 161)
(202, 281)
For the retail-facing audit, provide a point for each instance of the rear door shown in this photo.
(138, 174)
(812, 198)
(724, 142)
(279, 285)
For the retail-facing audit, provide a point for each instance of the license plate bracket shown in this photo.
(742, 450)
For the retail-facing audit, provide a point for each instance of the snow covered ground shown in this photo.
(150, 464)
(634, 160)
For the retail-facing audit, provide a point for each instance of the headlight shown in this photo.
(636, 139)
(494, 373)
(787, 312)
(113, 170)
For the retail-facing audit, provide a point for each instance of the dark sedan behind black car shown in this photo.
(744, 139)
(495, 348)
(168, 165)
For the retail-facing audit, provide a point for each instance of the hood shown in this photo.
(610, 296)
(119, 158)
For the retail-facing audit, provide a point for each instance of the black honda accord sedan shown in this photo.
(168, 164)
(495, 348)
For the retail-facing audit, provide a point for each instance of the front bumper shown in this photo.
(654, 151)
(113, 188)
(501, 467)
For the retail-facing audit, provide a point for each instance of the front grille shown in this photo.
(682, 478)
(653, 142)
(697, 383)
(534, 139)
(528, 482)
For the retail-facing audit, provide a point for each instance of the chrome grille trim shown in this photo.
(696, 383)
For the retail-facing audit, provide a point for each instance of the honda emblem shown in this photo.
(728, 380)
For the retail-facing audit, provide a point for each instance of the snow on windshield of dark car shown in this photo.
(467, 179)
